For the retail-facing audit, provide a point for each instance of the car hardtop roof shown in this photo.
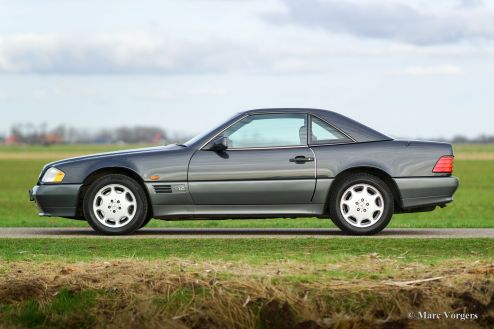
(287, 110)
(358, 131)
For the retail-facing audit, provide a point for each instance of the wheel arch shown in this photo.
(100, 172)
(380, 173)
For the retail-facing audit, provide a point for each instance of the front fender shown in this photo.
(169, 166)
(77, 172)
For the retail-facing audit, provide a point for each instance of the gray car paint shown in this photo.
(423, 192)
(259, 182)
(169, 162)
(252, 176)
(396, 158)
(56, 200)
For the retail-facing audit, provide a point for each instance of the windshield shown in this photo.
(206, 132)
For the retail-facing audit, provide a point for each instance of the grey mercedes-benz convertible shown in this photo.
(260, 163)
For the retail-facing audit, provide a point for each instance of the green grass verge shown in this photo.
(257, 250)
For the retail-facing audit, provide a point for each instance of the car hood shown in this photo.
(172, 147)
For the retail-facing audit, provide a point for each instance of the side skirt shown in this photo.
(237, 211)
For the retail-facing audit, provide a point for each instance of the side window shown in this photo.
(323, 133)
(268, 130)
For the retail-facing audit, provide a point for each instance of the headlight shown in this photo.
(53, 175)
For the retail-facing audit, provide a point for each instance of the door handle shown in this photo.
(301, 159)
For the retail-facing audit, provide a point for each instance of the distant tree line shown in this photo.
(482, 139)
(28, 133)
(40, 134)
(460, 139)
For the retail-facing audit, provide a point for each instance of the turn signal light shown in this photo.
(444, 165)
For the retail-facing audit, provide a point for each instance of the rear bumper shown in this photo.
(426, 191)
(56, 200)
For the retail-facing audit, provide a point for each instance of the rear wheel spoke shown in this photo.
(362, 205)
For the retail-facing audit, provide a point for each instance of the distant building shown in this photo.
(49, 139)
(11, 140)
(157, 139)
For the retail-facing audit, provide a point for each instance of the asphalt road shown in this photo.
(239, 233)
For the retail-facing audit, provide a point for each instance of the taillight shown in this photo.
(444, 165)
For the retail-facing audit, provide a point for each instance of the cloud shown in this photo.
(392, 20)
(147, 54)
(159, 54)
(143, 53)
(433, 70)
(135, 53)
(470, 3)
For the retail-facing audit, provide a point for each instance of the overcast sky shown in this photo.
(407, 68)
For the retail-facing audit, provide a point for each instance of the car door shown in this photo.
(267, 161)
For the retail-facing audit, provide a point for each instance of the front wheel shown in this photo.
(361, 204)
(146, 221)
(115, 204)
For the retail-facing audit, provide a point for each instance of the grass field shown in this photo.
(473, 206)
(246, 283)
(473, 148)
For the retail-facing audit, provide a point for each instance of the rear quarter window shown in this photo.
(324, 133)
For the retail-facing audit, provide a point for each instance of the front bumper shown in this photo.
(426, 191)
(56, 200)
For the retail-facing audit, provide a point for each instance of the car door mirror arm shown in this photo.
(220, 144)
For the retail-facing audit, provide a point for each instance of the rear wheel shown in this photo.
(115, 204)
(361, 204)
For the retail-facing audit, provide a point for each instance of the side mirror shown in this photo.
(220, 144)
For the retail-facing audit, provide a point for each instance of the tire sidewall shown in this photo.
(141, 200)
(377, 183)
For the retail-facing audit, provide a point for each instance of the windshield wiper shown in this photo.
(182, 145)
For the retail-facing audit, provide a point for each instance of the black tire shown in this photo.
(141, 210)
(345, 183)
(148, 219)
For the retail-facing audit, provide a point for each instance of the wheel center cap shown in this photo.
(362, 205)
(114, 205)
